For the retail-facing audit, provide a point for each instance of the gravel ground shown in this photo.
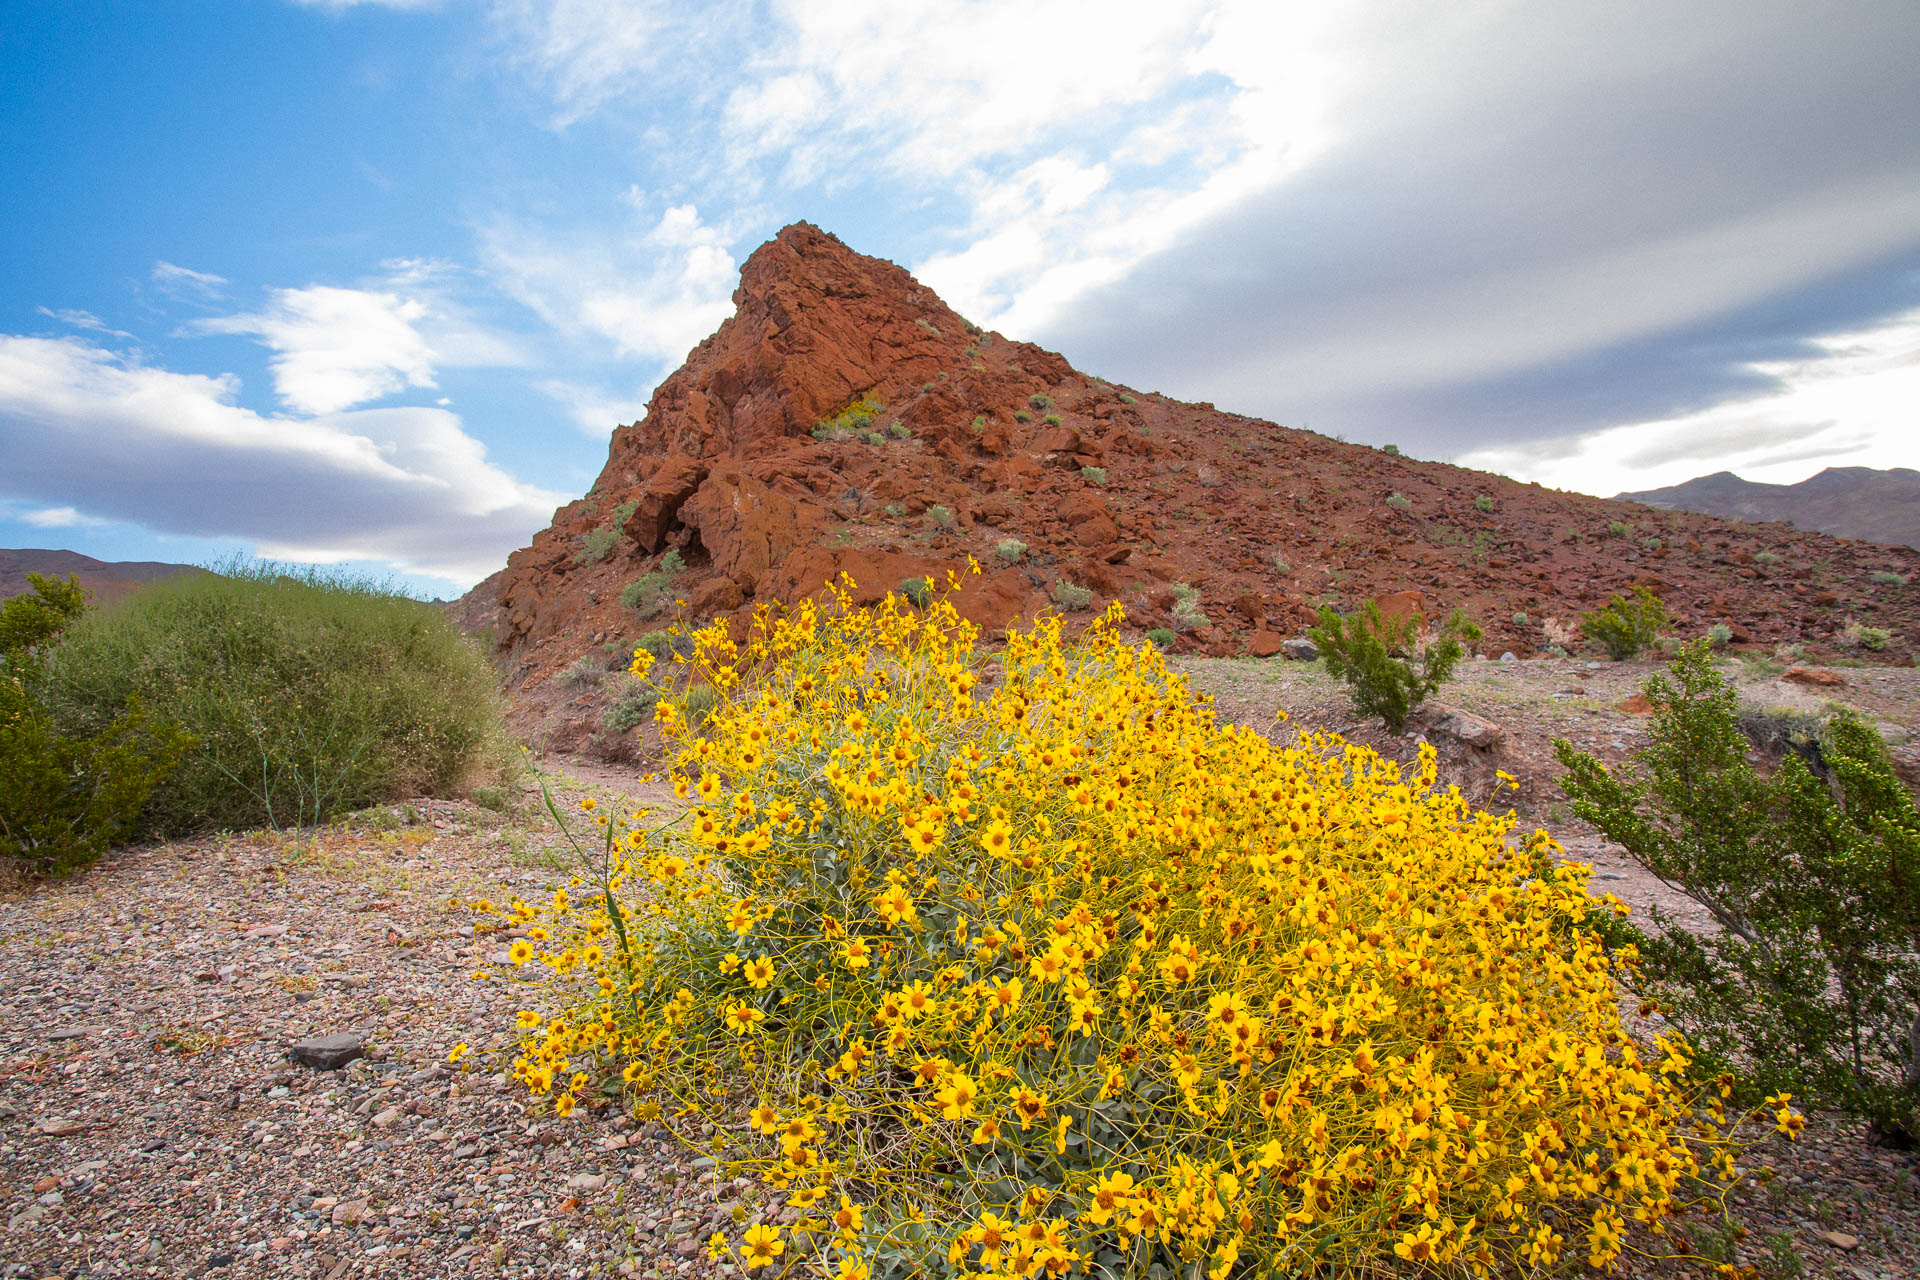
(151, 1123)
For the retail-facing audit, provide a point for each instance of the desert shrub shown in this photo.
(979, 425)
(1072, 597)
(1860, 636)
(64, 798)
(1094, 475)
(1720, 634)
(1066, 976)
(899, 430)
(1039, 402)
(1619, 528)
(309, 694)
(1887, 578)
(1052, 419)
(1399, 502)
(496, 799)
(624, 512)
(872, 438)
(940, 516)
(1483, 503)
(1626, 625)
(1520, 619)
(1009, 550)
(852, 420)
(650, 592)
(1813, 982)
(1391, 450)
(696, 705)
(598, 542)
(918, 592)
(659, 646)
(1767, 558)
(1559, 634)
(1650, 544)
(583, 670)
(1388, 668)
(1280, 564)
(1021, 415)
(632, 707)
(1162, 637)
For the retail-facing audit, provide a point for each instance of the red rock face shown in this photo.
(1000, 450)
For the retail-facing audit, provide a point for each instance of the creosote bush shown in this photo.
(1626, 624)
(309, 694)
(1813, 982)
(1068, 977)
(1387, 665)
(64, 798)
(1163, 637)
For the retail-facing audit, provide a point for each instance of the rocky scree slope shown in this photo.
(983, 443)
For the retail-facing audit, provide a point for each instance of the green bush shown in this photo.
(1052, 419)
(1163, 637)
(1861, 636)
(65, 800)
(918, 592)
(1125, 398)
(1626, 625)
(979, 425)
(1071, 597)
(1038, 401)
(1021, 415)
(1391, 450)
(1720, 634)
(598, 542)
(1010, 550)
(1399, 502)
(697, 704)
(660, 645)
(1520, 619)
(1814, 878)
(1377, 658)
(1886, 578)
(1649, 544)
(851, 420)
(1483, 503)
(1094, 475)
(309, 695)
(631, 707)
(942, 517)
(1767, 558)
(899, 430)
(649, 593)
(583, 671)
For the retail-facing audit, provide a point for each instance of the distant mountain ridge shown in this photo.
(108, 580)
(1866, 503)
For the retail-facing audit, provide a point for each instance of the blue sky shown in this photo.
(370, 282)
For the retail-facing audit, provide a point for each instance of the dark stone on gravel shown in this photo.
(328, 1053)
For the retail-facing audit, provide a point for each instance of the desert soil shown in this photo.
(151, 1123)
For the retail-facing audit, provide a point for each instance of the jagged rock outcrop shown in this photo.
(750, 467)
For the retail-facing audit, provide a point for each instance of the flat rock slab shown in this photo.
(328, 1053)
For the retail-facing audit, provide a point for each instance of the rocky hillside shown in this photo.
(108, 580)
(1848, 502)
(846, 420)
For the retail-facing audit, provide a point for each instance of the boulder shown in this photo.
(1464, 727)
(328, 1053)
(672, 483)
(1814, 678)
(745, 526)
(1265, 644)
(1300, 649)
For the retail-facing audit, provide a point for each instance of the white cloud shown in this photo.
(594, 409)
(335, 347)
(188, 283)
(1848, 403)
(86, 427)
(651, 293)
(59, 518)
(75, 318)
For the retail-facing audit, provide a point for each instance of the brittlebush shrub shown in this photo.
(1067, 976)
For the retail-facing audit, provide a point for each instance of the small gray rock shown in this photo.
(1300, 649)
(328, 1053)
(1508, 658)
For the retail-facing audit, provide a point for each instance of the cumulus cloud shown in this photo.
(85, 427)
(58, 518)
(336, 347)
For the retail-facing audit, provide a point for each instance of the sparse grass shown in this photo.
(1887, 578)
(1483, 504)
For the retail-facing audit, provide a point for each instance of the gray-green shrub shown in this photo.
(1388, 672)
(309, 694)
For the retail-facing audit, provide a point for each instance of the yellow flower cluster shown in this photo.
(1032, 966)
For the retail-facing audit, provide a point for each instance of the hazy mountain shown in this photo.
(1848, 502)
(108, 580)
